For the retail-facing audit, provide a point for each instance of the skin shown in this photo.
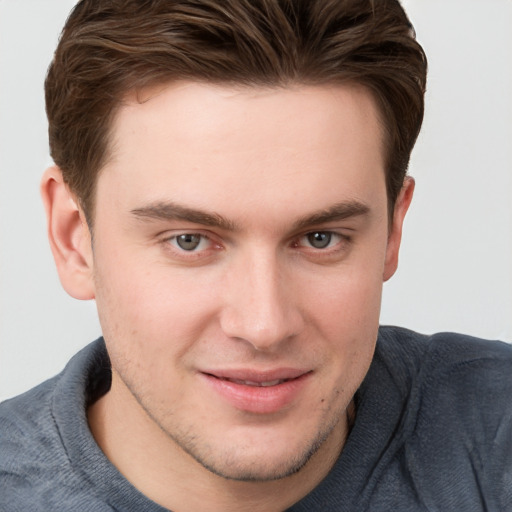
(259, 292)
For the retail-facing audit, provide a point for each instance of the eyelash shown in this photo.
(341, 243)
(170, 244)
(176, 238)
(339, 238)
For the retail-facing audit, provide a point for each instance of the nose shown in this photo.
(260, 303)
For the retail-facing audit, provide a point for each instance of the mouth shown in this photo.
(264, 384)
(259, 392)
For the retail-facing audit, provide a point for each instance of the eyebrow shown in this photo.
(336, 212)
(169, 211)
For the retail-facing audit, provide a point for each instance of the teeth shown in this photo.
(272, 383)
(258, 384)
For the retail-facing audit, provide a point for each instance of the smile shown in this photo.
(258, 384)
(258, 393)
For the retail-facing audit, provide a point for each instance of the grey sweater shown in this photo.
(433, 432)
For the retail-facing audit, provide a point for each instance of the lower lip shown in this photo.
(258, 399)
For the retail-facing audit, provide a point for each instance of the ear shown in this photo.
(395, 234)
(69, 236)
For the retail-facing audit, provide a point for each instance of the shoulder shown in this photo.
(471, 372)
(468, 383)
(30, 447)
(458, 346)
(452, 375)
(25, 423)
(31, 415)
(35, 464)
(432, 356)
(458, 427)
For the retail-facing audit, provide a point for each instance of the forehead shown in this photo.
(214, 147)
(205, 111)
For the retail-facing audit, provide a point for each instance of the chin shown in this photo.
(262, 460)
(263, 468)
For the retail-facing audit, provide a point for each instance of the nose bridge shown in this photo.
(260, 307)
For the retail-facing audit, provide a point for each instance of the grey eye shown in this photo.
(319, 239)
(188, 241)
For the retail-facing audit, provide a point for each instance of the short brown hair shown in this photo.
(111, 47)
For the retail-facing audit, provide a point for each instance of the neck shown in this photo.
(153, 463)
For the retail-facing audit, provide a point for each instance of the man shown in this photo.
(230, 187)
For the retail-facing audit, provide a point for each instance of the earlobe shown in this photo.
(395, 234)
(69, 236)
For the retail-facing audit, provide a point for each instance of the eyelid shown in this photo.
(341, 245)
(343, 233)
(166, 238)
(334, 235)
(174, 240)
(169, 234)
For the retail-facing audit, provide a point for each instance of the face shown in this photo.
(241, 240)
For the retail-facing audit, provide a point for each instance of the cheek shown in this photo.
(150, 306)
(348, 319)
(149, 322)
(350, 301)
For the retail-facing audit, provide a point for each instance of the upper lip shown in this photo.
(258, 376)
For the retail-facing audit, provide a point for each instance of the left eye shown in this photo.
(321, 239)
(189, 241)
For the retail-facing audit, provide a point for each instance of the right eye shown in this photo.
(319, 239)
(190, 242)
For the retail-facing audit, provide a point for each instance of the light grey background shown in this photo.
(456, 261)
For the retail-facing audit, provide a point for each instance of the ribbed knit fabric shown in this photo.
(433, 432)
